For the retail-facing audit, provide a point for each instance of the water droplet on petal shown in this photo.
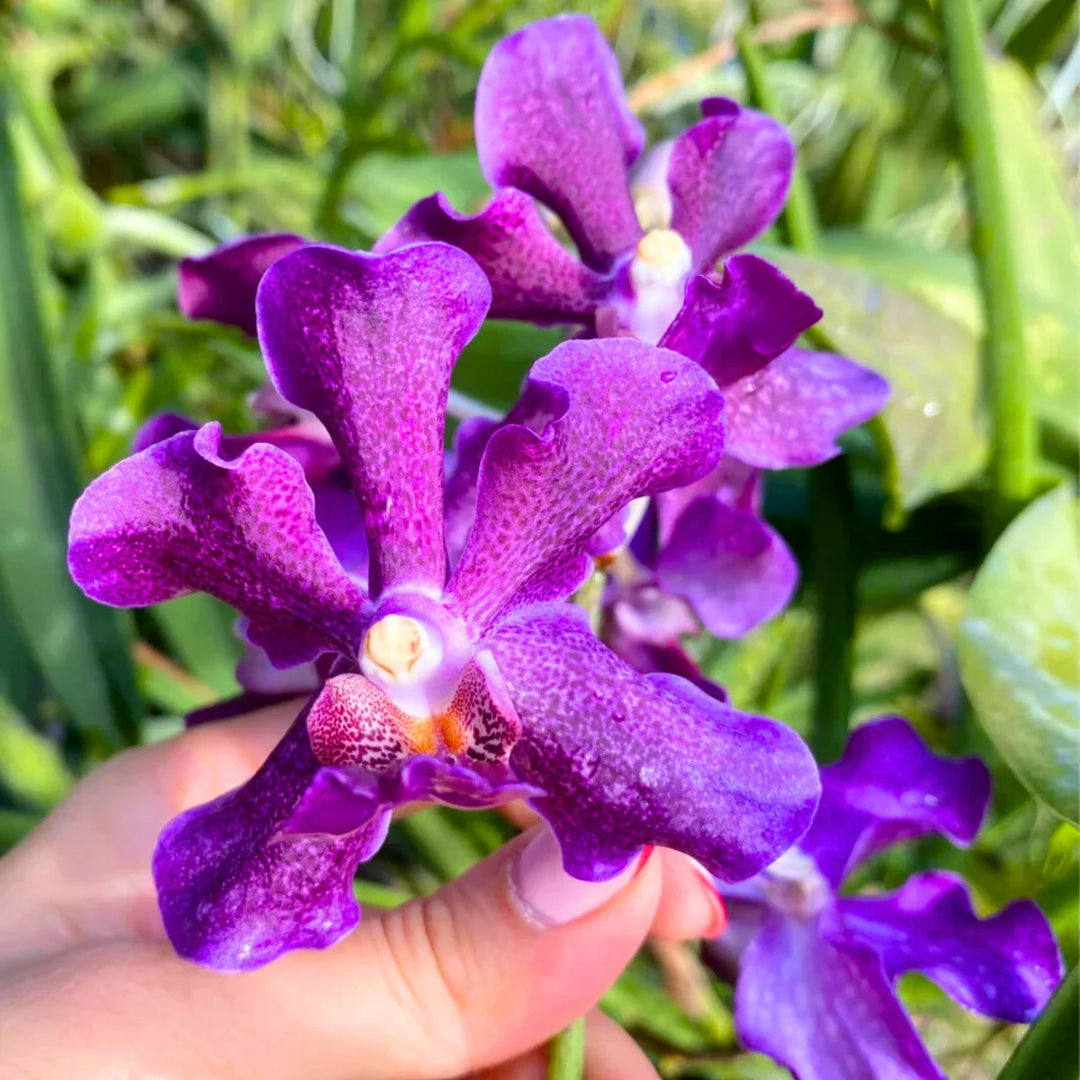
(667, 376)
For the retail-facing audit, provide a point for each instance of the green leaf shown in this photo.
(78, 646)
(31, 765)
(199, 631)
(1049, 1049)
(945, 279)
(566, 1052)
(1018, 646)
(931, 428)
(1045, 230)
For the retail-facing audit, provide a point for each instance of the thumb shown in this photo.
(490, 966)
(494, 963)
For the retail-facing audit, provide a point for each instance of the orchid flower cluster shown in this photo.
(813, 969)
(421, 600)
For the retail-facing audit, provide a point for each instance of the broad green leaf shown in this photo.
(1019, 642)
(945, 279)
(932, 426)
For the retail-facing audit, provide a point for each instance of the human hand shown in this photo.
(471, 981)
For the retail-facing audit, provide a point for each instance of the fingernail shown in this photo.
(711, 893)
(547, 895)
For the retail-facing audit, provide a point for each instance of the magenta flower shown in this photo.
(463, 679)
(553, 124)
(815, 970)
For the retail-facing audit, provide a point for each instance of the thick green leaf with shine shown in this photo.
(935, 436)
(1019, 645)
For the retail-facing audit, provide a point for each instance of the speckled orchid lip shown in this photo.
(453, 669)
(814, 969)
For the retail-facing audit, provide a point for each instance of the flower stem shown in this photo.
(1049, 1049)
(1013, 462)
(832, 503)
(566, 1052)
(833, 563)
(798, 221)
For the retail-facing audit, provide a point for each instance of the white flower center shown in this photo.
(399, 650)
(657, 273)
(795, 885)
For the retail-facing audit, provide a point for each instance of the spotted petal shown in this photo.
(367, 343)
(729, 176)
(236, 893)
(627, 760)
(599, 424)
(824, 1008)
(552, 121)
(735, 327)
(733, 569)
(1006, 966)
(221, 286)
(889, 787)
(789, 414)
(533, 277)
(178, 517)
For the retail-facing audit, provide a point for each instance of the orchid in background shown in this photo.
(553, 124)
(462, 679)
(814, 970)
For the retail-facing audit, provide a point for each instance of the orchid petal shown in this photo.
(599, 424)
(789, 414)
(735, 327)
(729, 176)
(552, 121)
(733, 569)
(532, 276)
(178, 517)
(367, 343)
(236, 893)
(221, 286)
(1006, 966)
(889, 787)
(627, 760)
(824, 1008)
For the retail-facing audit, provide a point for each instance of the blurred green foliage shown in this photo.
(135, 133)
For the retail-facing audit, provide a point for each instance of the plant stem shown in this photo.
(1049, 1049)
(833, 546)
(832, 502)
(799, 219)
(1012, 467)
(566, 1052)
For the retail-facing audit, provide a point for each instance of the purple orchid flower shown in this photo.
(553, 124)
(815, 969)
(468, 685)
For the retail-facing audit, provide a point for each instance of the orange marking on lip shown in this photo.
(455, 731)
(419, 733)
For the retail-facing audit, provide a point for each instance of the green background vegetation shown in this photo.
(133, 134)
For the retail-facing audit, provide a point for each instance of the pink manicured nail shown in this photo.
(719, 919)
(547, 895)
